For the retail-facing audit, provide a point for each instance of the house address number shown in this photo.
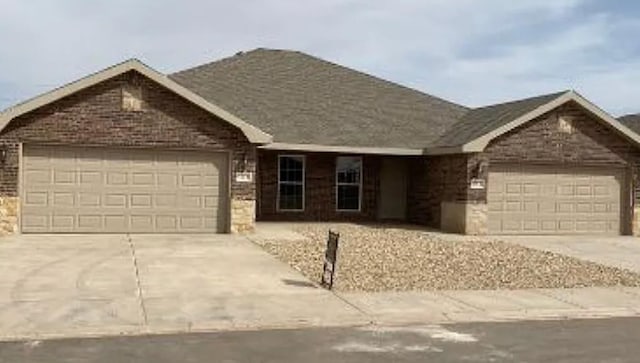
(244, 177)
(477, 183)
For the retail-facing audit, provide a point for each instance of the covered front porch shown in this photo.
(330, 186)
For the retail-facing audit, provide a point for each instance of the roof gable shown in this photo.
(252, 133)
(478, 127)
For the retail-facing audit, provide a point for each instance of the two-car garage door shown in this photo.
(531, 199)
(101, 190)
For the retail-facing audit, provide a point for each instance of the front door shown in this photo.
(393, 189)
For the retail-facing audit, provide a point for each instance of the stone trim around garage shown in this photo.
(466, 217)
(243, 214)
(635, 222)
(9, 212)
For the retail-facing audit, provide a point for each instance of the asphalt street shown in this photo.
(597, 340)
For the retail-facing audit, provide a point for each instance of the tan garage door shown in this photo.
(554, 200)
(99, 190)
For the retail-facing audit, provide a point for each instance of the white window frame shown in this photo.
(304, 180)
(359, 184)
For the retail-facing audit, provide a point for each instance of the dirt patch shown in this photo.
(379, 258)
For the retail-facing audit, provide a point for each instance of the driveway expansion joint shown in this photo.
(566, 301)
(143, 309)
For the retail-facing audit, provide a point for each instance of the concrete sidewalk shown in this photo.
(496, 305)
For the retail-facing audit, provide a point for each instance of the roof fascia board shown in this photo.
(446, 150)
(342, 149)
(252, 133)
(603, 115)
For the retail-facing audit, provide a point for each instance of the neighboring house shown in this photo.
(632, 122)
(281, 135)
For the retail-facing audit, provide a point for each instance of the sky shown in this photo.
(473, 52)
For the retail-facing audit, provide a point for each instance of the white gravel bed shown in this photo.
(379, 258)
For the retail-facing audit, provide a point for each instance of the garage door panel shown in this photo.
(513, 188)
(68, 189)
(90, 177)
(144, 178)
(116, 222)
(547, 225)
(167, 180)
(554, 200)
(166, 222)
(62, 221)
(116, 200)
(36, 199)
(531, 225)
(36, 222)
(141, 200)
(583, 207)
(90, 221)
(191, 180)
(142, 222)
(89, 199)
(117, 178)
(566, 225)
(512, 225)
(530, 206)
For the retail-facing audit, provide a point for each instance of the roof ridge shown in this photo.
(226, 59)
(559, 93)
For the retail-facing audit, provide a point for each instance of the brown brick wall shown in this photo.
(540, 141)
(433, 180)
(320, 192)
(94, 117)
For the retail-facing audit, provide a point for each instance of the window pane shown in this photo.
(348, 197)
(348, 169)
(291, 169)
(290, 196)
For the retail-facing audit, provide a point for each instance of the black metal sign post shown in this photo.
(330, 257)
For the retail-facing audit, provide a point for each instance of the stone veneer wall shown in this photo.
(95, 117)
(9, 212)
(464, 217)
(243, 214)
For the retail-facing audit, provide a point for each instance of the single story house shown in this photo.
(632, 122)
(284, 136)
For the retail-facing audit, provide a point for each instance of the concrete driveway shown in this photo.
(616, 251)
(74, 285)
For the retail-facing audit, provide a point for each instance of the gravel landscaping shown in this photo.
(382, 258)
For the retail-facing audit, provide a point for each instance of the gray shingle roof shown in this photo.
(480, 121)
(301, 99)
(632, 122)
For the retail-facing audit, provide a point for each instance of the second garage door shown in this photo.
(529, 199)
(100, 190)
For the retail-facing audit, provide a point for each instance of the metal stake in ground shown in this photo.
(330, 258)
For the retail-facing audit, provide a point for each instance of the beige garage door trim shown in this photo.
(552, 199)
(112, 190)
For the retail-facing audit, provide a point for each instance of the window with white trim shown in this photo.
(290, 182)
(348, 183)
